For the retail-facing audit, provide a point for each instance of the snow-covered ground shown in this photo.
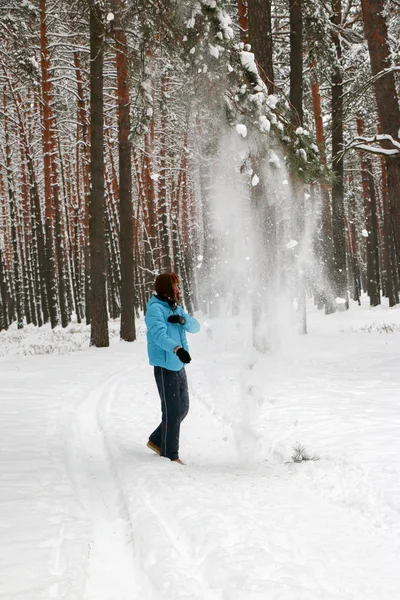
(88, 512)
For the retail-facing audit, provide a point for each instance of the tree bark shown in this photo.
(296, 101)
(391, 292)
(296, 60)
(13, 218)
(325, 243)
(372, 241)
(3, 295)
(243, 20)
(59, 230)
(153, 241)
(260, 38)
(387, 101)
(163, 204)
(371, 223)
(83, 132)
(99, 324)
(51, 273)
(127, 331)
(354, 244)
(338, 215)
(28, 259)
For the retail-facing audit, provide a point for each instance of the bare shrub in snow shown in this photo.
(300, 454)
(384, 328)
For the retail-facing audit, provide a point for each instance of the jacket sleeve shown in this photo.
(191, 324)
(157, 327)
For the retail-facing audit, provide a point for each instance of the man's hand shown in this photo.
(176, 319)
(183, 355)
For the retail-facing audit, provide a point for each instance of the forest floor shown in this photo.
(88, 512)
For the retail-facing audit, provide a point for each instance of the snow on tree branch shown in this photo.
(364, 143)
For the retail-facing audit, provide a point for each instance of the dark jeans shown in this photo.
(174, 395)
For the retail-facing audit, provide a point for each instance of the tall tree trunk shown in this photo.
(112, 241)
(59, 230)
(51, 272)
(71, 278)
(386, 99)
(113, 281)
(29, 284)
(37, 229)
(260, 38)
(326, 243)
(186, 266)
(83, 132)
(354, 243)
(296, 60)
(150, 207)
(3, 295)
(296, 101)
(163, 204)
(389, 268)
(371, 222)
(99, 322)
(127, 331)
(372, 241)
(338, 215)
(13, 218)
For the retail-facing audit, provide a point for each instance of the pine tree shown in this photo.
(338, 214)
(128, 332)
(99, 320)
(387, 102)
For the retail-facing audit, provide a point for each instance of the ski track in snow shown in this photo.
(110, 571)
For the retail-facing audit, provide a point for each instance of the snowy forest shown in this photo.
(229, 170)
(119, 118)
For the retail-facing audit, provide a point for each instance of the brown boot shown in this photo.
(178, 460)
(153, 447)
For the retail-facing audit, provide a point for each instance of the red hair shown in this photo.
(166, 285)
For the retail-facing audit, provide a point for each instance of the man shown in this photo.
(168, 352)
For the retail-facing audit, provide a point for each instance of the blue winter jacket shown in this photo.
(163, 337)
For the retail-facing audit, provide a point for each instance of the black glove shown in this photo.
(183, 355)
(176, 319)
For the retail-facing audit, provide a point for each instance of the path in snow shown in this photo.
(97, 516)
(110, 571)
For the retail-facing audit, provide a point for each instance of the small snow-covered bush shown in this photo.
(300, 454)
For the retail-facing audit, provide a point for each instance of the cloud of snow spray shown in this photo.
(255, 296)
(248, 276)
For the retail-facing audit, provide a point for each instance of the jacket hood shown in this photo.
(154, 300)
